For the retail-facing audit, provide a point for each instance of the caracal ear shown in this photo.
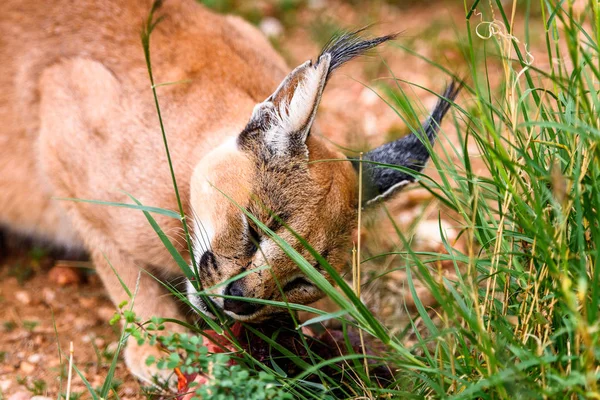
(289, 112)
(282, 122)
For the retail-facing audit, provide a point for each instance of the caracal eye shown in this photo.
(253, 239)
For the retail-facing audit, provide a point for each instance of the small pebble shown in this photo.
(5, 385)
(48, 295)
(34, 358)
(26, 368)
(64, 276)
(92, 338)
(316, 4)
(112, 347)
(129, 391)
(20, 396)
(271, 27)
(429, 237)
(370, 125)
(368, 97)
(23, 297)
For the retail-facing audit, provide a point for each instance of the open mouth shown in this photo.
(296, 284)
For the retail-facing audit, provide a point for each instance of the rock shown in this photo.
(368, 97)
(88, 338)
(48, 296)
(26, 368)
(5, 385)
(316, 4)
(129, 391)
(370, 125)
(112, 348)
(271, 27)
(429, 238)
(23, 297)
(34, 358)
(64, 276)
(20, 396)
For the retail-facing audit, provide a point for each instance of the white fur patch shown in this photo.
(388, 192)
(202, 236)
(194, 299)
(297, 115)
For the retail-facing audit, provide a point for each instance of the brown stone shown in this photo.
(64, 276)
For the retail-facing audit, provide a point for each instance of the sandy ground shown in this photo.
(32, 302)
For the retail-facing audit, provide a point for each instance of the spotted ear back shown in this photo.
(287, 115)
(282, 122)
(409, 152)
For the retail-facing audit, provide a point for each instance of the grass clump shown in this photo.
(519, 319)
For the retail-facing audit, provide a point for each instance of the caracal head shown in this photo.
(277, 171)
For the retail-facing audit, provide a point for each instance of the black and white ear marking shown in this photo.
(410, 152)
(286, 116)
(291, 109)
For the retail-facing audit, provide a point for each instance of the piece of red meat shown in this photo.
(328, 344)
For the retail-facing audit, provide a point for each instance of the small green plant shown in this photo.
(235, 382)
(9, 326)
(36, 254)
(114, 387)
(37, 387)
(223, 380)
(22, 273)
(73, 395)
(30, 325)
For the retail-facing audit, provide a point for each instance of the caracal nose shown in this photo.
(239, 307)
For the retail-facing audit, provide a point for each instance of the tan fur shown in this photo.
(78, 121)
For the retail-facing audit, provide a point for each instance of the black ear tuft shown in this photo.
(284, 119)
(348, 45)
(408, 152)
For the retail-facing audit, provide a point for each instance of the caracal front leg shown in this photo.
(92, 146)
(150, 299)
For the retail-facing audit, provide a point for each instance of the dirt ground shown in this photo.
(38, 315)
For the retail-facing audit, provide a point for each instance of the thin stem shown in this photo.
(148, 28)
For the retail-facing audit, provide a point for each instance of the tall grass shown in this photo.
(519, 317)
